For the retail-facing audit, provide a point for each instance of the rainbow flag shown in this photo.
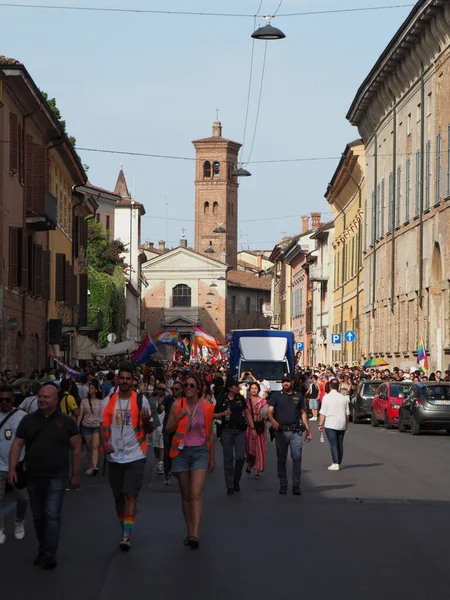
(422, 359)
(64, 366)
(171, 337)
(145, 350)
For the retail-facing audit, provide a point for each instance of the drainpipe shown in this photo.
(358, 264)
(422, 159)
(394, 201)
(342, 269)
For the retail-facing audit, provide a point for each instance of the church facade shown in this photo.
(204, 286)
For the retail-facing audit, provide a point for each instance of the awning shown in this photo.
(126, 347)
(85, 347)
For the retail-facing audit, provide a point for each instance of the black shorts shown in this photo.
(126, 478)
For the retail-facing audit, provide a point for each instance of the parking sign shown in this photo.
(299, 346)
(336, 341)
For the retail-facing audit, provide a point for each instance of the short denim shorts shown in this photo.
(313, 403)
(191, 458)
(89, 430)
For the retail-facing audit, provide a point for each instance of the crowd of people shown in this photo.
(179, 409)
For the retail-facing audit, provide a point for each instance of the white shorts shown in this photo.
(157, 438)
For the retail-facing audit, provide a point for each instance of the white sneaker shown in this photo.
(89, 472)
(159, 468)
(333, 467)
(19, 530)
(313, 419)
(2, 537)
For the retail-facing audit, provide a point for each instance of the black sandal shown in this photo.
(186, 540)
(193, 542)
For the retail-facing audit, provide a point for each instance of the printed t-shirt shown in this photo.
(7, 435)
(122, 427)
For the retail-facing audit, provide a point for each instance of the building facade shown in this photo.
(43, 292)
(402, 112)
(127, 228)
(345, 194)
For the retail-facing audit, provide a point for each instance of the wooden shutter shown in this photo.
(75, 236)
(46, 274)
(35, 200)
(21, 153)
(13, 256)
(84, 233)
(60, 279)
(24, 260)
(74, 287)
(29, 163)
(13, 144)
(41, 179)
(37, 287)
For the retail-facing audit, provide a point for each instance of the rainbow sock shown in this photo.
(128, 524)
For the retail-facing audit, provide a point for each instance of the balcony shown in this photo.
(318, 273)
(43, 214)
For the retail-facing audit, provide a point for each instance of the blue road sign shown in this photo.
(350, 336)
(336, 338)
(299, 346)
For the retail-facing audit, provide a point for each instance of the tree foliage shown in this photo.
(104, 254)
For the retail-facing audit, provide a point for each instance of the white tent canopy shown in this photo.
(119, 349)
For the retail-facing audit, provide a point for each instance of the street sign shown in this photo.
(299, 346)
(336, 341)
(349, 336)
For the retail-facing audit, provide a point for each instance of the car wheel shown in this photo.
(387, 423)
(415, 427)
(373, 420)
(354, 417)
(401, 425)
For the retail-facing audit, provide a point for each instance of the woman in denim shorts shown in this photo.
(193, 459)
(89, 422)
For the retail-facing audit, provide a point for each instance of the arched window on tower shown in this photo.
(181, 295)
(215, 208)
(206, 208)
(206, 169)
(216, 168)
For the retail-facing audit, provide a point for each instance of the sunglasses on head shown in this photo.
(190, 385)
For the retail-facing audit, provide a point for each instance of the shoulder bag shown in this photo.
(259, 424)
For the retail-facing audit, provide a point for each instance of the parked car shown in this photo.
(426, 407)
(361, 400)
(386, 402)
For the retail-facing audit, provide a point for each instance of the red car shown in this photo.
(387, 401)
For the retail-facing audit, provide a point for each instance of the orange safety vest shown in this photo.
(183, 424)
(136, 421)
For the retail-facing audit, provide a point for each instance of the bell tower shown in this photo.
(216, 196)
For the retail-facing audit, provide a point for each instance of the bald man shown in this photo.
(52, 441)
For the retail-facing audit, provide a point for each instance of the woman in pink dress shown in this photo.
(256, 445)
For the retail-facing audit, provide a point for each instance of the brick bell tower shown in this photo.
(216, 196)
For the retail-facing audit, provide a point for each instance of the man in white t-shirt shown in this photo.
(125, 423)
(333, 419)
(265, 386)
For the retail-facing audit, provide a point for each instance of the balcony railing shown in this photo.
(318, 273)
(43, 215)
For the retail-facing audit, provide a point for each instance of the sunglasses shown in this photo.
(5, 400)
(161, 389)
(177, 389)
(190, 385)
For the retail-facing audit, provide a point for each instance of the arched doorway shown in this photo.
(436, 311)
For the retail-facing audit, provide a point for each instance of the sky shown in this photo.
(151, 83)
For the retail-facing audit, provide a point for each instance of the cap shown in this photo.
(286, 378)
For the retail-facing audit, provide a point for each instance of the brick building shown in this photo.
(41, 225)
(402, 111)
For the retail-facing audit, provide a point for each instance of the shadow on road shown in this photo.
(361, 466)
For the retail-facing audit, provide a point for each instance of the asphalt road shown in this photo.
(379, 528)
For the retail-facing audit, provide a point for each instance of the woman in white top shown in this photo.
(333, 420)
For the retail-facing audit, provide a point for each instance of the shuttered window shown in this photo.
(83, 282)
(427, 174)
(407, 188)
(391, 203)
(46, 274)
(24, 260)
(75, 237)
(13, 143)
(438, 167)
(21, 154)
(398, 198)
(13, 256)
(60, 283)
(417, 194)
(37, 288)
(383, 194)
(29, 158)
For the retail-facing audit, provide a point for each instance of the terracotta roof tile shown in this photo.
(4, 60)
(245, 279)
(100, 189)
